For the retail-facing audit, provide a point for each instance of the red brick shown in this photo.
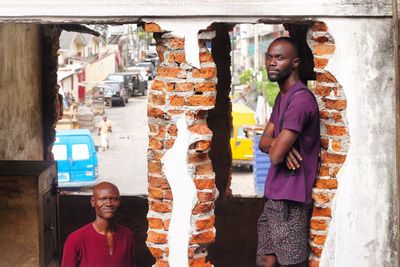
(319, 26)
(151, 27)
(173, 112)
(170, 86)
(157, 182)
(154, 143)
(180, 57)
(206, 57)
(203, 238)
(161, 263)
(206, 87)
(161, 207)
(322, 212)
(206, 73)
(175, 100)
(323, 114)
(199, 262)
(313, 263)
(169, 143)
(200, 128)
(335, 130)
(205, 196)
(320, 63)
(321, 198)
(200, 100)
(318, 225)
(325, 143)
(161, 132)
(155, 223)
(160, 51)
(166, 224)
(320, 39)
(156, 252)
(167, 195)
(204, 169)
(203, 145)
(326, 184)
(326, 77)
(335, 104)
(198, 157)
(337, 117)
(336, 145)
(316, 251)
(184, 87)
(158, 85)
(205, 223)
(171, 58)
(168, 72)
(154, 166)
(332, 158)
(177, 43)
(324, 170)
(318, 239)
(203, 208)
(322, 90)
(155, 193)
(155, 112)
(204, 183)
(157, 99)
(153, 128)
(156, 238)
(323, 49)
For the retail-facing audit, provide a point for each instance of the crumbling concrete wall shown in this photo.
(20, 96)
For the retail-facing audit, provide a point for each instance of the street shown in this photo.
(125, 162)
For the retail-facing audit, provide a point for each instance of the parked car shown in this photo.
(114, 91)
(133, 81)
(150, 68)
(139, 84)
(76, 157)
(141, 70)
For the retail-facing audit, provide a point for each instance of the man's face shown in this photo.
(281, 61)
(105, 201)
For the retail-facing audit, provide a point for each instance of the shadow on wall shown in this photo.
(236, 224)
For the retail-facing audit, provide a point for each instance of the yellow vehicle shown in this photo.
(244, 123)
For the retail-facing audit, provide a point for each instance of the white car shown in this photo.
(141, 70)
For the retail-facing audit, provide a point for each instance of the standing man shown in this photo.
(102, 243)
(292, 140)
(104, 129)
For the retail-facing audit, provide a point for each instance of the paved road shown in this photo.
(125, 162)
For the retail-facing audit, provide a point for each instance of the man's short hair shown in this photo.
(290, 41)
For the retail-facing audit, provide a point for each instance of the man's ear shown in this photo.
(92, 201)
(296, 62)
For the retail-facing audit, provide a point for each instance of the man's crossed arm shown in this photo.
(281, 148)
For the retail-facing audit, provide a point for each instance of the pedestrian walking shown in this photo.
(104, 129)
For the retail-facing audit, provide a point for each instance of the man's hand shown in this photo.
(293, 159)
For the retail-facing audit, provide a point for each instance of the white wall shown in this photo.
(362, 231)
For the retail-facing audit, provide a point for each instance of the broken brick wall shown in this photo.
(180, 90)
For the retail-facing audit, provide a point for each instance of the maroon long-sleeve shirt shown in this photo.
(87, 248)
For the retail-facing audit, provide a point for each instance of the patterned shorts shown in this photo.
(283, 230)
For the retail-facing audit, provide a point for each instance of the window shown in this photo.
(80, 152)
(60, 152)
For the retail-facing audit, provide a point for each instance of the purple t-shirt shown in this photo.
(301, 116)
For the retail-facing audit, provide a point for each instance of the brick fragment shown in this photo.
(326, 184)
(320, 39)
(205, 196)
(156, 238)
(318, 239)
(154, 166)
(167, 194)
(170, 86)
(324, 143)
(313, 263)
(152, 27)
(177, 43)
(324, 170)
(180, 57)
(337, 117)
(172, 130)
(200, 100)
(206, 57)
(155, 223)
(203, 238)
(158, 182)
(336, 104)
(205, 223)
(200, 128)
(204, 183)
(202, 146)
(158, 99)
(323, 49)
(321, 198)
(316, 251)
(166, 224)
(336, 145)
(155, 112)
(206, 73)
(156, 144)
(198, 157)
(321, 212)
(156, 252)
(158, 85)
(200, 208)
(169, 143)
(161, 263)
(184, 87)
(335, 130)
(204, 169)
(318, 225)
(327, 157)
(199, 262)
(162, 207)
(166, 72)
(206, 87)
(320, 63)
(325, 77)
(175, 100)
(155, 192)
(322, 90)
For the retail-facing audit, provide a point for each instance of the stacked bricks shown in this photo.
(334, 137)
(180, 90)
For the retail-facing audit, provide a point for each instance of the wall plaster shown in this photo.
(363, 228)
